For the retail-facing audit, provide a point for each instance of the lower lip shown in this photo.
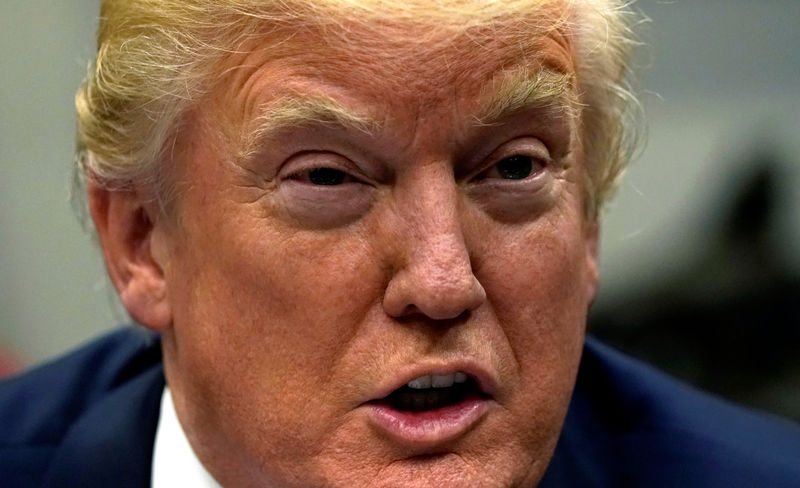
(430, 427)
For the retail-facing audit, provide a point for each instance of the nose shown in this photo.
(435, 277)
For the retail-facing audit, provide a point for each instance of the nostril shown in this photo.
(410, 310)
(445, 320)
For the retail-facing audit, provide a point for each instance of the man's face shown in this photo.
(314, 274)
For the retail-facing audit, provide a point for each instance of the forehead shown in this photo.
(398, 61)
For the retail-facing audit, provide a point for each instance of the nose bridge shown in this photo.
(435, 276)
(436, 239)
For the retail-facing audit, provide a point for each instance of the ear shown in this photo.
(592, 239)
(134, 253)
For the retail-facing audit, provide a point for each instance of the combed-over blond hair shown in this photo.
(156, 58)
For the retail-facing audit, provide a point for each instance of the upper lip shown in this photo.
(486, 381)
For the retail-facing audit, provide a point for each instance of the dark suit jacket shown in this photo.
(89, 420)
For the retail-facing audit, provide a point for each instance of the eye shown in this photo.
(517, 181)
(321, 191)
(516, 167)
(326, 176)
(323, 176)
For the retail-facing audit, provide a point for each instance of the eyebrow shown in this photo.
(522, 89)
(292, 111)
(517, 90)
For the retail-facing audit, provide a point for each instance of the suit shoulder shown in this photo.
(39, 405)
(665, 427)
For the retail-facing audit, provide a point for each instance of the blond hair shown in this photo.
(156, 58)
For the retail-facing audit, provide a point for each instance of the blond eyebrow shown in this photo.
(523, 89)
(296, 111)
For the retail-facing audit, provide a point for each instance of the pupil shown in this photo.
(326, 176)
(515, 167)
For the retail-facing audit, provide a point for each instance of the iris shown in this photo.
(515, 167)
(326, 176)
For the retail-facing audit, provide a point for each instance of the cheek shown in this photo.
(536, 279)
(289, 290)
(538, 275)
(274, 316)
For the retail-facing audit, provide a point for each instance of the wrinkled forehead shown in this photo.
(420, 53)
(431, 67)
(423, 42)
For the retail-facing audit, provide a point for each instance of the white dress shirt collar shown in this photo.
(174, 461)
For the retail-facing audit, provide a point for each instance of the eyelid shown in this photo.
(524, 146)
(303, 162)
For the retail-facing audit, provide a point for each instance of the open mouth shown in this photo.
(432, 409)
(431, 392)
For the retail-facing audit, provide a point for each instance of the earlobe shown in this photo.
(126, 232)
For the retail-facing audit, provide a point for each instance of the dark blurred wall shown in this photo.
(701, 261)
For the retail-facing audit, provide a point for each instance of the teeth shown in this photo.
(443, 381)
(420, 383)
(437, 381)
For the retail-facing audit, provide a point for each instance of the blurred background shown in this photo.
(700, 256)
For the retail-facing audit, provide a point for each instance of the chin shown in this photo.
(449, 470)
